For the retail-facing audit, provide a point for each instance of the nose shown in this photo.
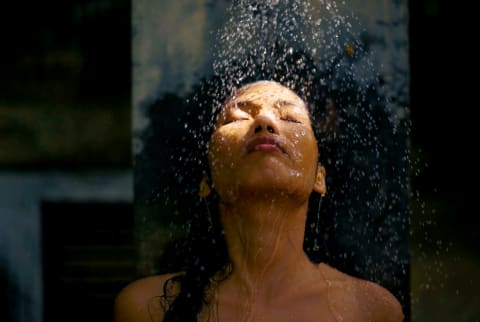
(259, 129)
(264, 123)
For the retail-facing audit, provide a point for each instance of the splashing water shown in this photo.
(315, 48)
(260, 40)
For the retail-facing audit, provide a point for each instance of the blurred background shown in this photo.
(444, 242)
(66, 215)
(66, 161)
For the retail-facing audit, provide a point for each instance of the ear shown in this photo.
(319, 184)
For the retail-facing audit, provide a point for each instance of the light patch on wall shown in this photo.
(166, 64)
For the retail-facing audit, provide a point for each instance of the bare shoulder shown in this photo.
(142, 300)
(384, 306)
(373, 301)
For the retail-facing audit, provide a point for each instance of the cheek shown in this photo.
(305, 146)
(222, 150)
(223, 155)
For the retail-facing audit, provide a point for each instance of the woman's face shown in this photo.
(263, 142)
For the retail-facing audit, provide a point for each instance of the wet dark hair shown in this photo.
(203, 252)
(365, 161)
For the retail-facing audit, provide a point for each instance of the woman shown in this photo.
(263, 160)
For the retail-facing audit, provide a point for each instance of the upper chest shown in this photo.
(334, 304)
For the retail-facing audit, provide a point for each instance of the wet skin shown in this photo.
(263, 142)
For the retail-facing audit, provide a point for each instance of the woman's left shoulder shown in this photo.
(379, 301)
(373, 301)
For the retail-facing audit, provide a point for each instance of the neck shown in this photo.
(265, 238)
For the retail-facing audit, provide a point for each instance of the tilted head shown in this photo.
(263, 142)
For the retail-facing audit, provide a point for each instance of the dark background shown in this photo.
(65, 88)
(65, 84)
(445, 238)
(442, 107)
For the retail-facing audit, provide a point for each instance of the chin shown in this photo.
(275, 181)
(270, 173)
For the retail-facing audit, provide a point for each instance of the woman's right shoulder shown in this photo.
(144, 299)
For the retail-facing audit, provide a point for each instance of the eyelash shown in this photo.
(288, 119)
(232, 121)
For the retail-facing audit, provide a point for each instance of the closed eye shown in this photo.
(234, 120)
(289, 119)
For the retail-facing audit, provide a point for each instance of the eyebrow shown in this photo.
(276, 104)
(281, 103)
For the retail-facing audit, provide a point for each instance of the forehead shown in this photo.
(266, 90)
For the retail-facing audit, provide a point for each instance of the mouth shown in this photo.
(267, 144)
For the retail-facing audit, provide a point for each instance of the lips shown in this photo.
(265, 144)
